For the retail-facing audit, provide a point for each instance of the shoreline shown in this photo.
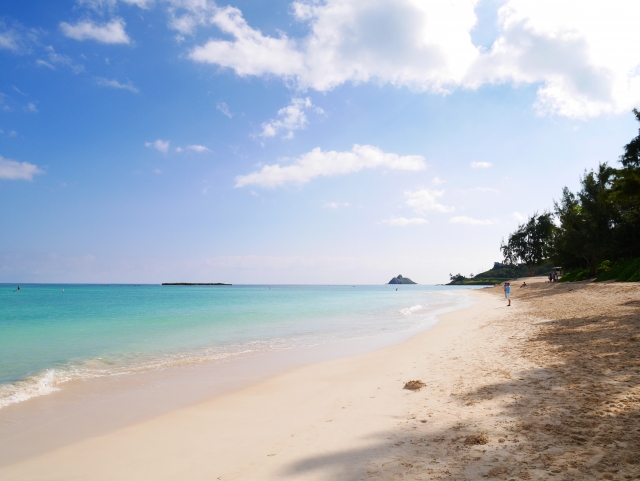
(545, 389)
(153, 346)
(111, 402)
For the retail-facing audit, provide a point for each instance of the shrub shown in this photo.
(622, 271)
(575, 276)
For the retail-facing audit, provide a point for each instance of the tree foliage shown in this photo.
(531, 243)
(599, 222)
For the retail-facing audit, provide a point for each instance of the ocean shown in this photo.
(51, 334)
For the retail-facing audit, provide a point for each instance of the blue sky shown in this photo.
(336, 141)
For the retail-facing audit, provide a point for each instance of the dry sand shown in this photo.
(546, 389)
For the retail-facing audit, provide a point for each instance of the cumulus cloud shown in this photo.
(519, 217)
(480, 165)
(318, 163)
(426, 200)
(104, 82)
(290, 118)
(110, 33)
(159, 145)
(200, 149)
(250, 53)
(471, 221)
(403, 221)
(13, 170)
(582, 64)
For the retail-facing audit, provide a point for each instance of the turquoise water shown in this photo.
(50, 334)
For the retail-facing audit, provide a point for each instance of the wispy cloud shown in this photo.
(54, 58)
(471, 221)
(403, 221)
(224, 108)
(519, 217)
(480, 165)
(31, 107)
(16, 38)
(109, 33)
(318, 164)
(159, 145)
(336, 205)
(103, 82)
(426, 200)
(13, 170)
(200, 149)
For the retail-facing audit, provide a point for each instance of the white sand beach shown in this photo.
(495, 398)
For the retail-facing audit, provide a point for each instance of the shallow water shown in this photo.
(51, 334)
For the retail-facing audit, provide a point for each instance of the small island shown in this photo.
(195, 284)
(401, 280)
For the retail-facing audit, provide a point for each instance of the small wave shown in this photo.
(410, 310)
(33, 386)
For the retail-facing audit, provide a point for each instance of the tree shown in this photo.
(588, 220)
(531, 243)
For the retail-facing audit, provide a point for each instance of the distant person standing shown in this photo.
(504, 288)
(507, 293)
(550, 277)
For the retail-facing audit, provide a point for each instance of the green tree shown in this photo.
(531, 243)
(588, 220)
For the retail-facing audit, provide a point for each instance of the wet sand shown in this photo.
(546, 389)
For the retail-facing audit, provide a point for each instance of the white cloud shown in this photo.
(159, 145)
(582, 64)
(403, 221)
(198, 148)
(336, 205)
(471, 221)
(103, 82)
(519, 217)
(251, 53)
(224, 108)
(480, 165)
(111, 33)
(12, 170)
(9, 40)
(14, 37)
(318, 163)
(31, 107)
(54, 58)
(437, 181)
(292, 117)
(426, 200)
(485, 189)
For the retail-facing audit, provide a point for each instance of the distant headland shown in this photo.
(401, 280)
(195, 284)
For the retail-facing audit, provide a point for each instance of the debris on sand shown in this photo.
(414, 385)
(476, 439)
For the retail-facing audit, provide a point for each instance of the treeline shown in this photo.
(589, 232)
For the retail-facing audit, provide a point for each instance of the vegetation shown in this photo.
(530, 244)
(594, 232)
(497, 274)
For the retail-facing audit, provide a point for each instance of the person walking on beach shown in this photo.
(507, 293)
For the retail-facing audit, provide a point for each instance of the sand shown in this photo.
(546, 389)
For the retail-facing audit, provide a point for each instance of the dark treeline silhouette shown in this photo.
(590, 231)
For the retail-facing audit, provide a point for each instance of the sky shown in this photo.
(304, 142)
